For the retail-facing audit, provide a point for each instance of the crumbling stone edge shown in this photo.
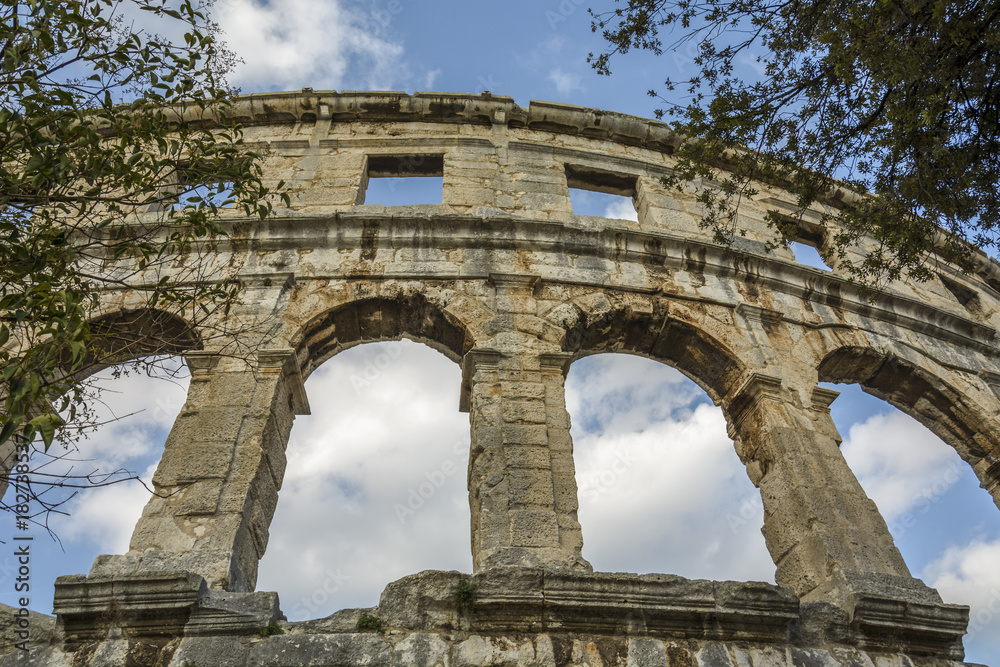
(514, 617)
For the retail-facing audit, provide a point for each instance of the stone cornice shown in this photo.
(648, 248)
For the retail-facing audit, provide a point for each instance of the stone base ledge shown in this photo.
(156, 605)
(507, 617)
(592, 603)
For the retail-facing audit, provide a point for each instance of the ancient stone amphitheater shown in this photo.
(504, 279)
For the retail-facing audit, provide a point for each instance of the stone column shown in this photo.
(989, 476)
(217, 483)
(826, 536)
(522, 481)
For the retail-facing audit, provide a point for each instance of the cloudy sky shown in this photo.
(661, 489)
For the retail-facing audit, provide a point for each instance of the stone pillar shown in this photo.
(989, 477)
(522, 481)
(217, 483)
(826, 536)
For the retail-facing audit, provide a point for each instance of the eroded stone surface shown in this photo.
(515, 617)
(504, 279)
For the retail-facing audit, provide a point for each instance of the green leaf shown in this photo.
(8, 430)
(46, 425)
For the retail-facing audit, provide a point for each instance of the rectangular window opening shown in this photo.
(601, 193)
(403, 180)
(805, 239)
(807, 254)
(219, 194)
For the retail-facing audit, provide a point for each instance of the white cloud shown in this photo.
(368, 499)
(900, 463)
(565, 82)
(103, 518)
(430, 78)
(549, 58)
(969, 575)
(375, 487)
(138, 411)
(661, 488)
(620, 393)
(622, 208)
(310, 43)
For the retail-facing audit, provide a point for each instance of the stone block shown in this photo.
(646, 653)
(423, 601)
(526, 457)
(565, 494)
(529, 323)
(215, 651)
(562, 463)
(523, 412)
(518, 434)
(161, 532)
(350, 650)
(199, 498)
(522, 390)
(50, 656)
(221, 390)
(208, 425)
(422, 650)
(192, 461)
(530, 489)
(533, 528)
(560, 440)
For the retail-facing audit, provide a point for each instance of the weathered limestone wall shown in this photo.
(506, 280)
(525, 617)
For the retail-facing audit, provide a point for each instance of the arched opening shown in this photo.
(941, 408)
(375, 487)
(946, 527)
(382, 318)
(90, 486)
(107, 471)
(610, 323)
(127, 334)
(661, 487)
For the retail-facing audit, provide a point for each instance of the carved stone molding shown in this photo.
(285, 361)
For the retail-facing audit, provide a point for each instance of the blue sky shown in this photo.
(661, 488)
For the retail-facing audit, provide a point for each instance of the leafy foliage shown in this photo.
(466, 594)
(897, 99)
(271, 630)
(368, 623)
(116, 153)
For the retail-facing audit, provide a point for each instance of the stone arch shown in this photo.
(503, 257)
(640, 387)
(609, 323)
(948, 412)
(410, 315)
(119, 336)
(125, 334)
